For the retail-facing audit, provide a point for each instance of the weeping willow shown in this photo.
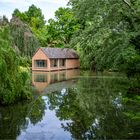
(13, 80)
(23, 40)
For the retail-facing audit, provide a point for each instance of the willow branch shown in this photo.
(126, 2)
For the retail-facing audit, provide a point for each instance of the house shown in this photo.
(52, 59)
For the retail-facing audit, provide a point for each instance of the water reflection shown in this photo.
(16, 118)
(97, 107)
(43, 81)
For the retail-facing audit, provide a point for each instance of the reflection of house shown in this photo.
(49, 59)
(45, 80)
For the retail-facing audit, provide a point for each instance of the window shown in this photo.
(54, 62)
(40, 63)
(62, 62)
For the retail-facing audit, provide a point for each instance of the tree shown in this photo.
(13, 80)
(3, 21)
(16, 13)
(109, 37)
(61, 29)
(33, 17)
(24, 42)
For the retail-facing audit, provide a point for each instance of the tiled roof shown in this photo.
(60, 53)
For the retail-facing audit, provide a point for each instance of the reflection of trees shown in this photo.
(94, 108)
(37, 110)
(132, 111)
(16, 117)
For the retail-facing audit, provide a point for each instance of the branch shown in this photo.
(126, 2)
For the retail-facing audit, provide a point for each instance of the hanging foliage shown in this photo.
(24, 41)
(13, 79)
(110, 35)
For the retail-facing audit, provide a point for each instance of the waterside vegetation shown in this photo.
(105, 34)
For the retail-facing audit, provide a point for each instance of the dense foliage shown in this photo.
(105, 34)
(61, 29)
(109, 37)
(24, 42)
(58, 31)
(13, 79)
(34, 18)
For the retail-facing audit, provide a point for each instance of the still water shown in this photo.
(75, 105)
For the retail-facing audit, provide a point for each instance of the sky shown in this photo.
(48, 7)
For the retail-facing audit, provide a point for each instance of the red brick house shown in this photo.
(50, 59)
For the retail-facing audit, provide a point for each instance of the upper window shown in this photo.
(40, 63)
(54, 62)
(62, 62)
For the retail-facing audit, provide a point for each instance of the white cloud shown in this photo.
(48, 6)
(50, 1)
(13, 2)
(35, 1)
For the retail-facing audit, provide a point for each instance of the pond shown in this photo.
(74, 104)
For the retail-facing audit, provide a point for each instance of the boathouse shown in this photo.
(52, 59)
